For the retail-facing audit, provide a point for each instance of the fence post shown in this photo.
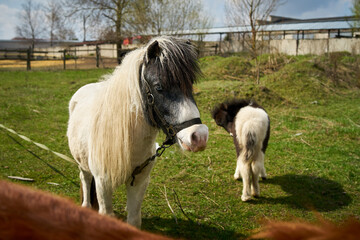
(64, 59)
(97, 56)
(297, 42)
(328, 42)
(28, 59)
(220, 43)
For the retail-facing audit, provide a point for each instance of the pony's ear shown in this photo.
(153, 51)
(224, 107)
(220, 116)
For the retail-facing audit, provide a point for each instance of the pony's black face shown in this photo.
(224, 114)
(168, 99)
(169, 76)
(222, 117)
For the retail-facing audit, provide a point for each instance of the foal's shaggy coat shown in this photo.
(30, 214)
(249, 125)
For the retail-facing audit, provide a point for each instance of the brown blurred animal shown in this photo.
(349, 230)
(31, 214)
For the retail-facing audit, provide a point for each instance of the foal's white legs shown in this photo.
(245, 169)
(256, 169)
(85, 178)
(237, 174)
(249, 171)
(262, 166)
(135, 195)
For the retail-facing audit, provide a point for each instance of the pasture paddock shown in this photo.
(312, 160)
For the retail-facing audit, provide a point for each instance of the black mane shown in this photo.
(178, 63)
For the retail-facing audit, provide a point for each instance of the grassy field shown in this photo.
(313, 158)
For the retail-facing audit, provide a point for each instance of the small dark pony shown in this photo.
(31, 214)
(249, 125)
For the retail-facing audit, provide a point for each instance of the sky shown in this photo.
(10, 9)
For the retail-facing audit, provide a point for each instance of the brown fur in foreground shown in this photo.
(31, 214)
(349, 230)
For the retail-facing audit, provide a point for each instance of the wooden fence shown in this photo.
(79, 57)
(71, 56)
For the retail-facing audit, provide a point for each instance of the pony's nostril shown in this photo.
(195, 138)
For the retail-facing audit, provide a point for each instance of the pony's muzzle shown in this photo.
(194, 138)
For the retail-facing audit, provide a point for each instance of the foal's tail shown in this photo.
(250, 144)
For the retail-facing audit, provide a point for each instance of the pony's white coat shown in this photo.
(108, 134)
(254, 121)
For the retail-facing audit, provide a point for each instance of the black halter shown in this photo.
(169, 129)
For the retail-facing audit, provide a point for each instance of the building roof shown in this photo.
(280, 24)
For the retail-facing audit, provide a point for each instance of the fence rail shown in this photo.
(75, 57)
(94, 56)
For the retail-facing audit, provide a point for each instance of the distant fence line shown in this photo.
(100, 55)
(105, 55)
(96, 53)
(298, 46)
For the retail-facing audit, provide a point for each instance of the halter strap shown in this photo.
(169, 129)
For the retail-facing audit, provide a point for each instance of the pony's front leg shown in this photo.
(135, 195)
(104, 195)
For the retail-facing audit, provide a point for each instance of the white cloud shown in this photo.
(8, 21)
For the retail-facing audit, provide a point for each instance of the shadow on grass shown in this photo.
(308, 192)
(186, 229)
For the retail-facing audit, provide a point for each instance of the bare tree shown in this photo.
(80, 12)
(52, 15)
(175, 16)
(356, 12)
(139, 21)
(117, 15)
(31, 26)
(56, 22)
(251, 13)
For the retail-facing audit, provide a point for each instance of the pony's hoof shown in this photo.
(245, 198)
(256, 195)
(264, 178)
(237, 176)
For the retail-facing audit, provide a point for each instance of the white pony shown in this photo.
(113, 123)
(249, 125)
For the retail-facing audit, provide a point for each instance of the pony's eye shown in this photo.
(158, 87)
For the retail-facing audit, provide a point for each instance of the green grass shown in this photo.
(313, 158)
